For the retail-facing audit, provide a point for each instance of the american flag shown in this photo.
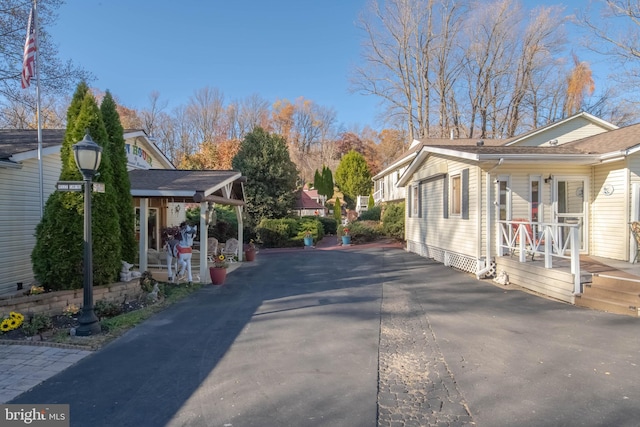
(29, 58)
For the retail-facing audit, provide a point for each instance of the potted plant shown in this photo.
(308, 238)
(218, 272)
(250, 253)
(346, 237)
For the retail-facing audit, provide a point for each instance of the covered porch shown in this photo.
(205, 187)
(546, 258)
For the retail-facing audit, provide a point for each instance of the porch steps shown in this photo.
(615, 293)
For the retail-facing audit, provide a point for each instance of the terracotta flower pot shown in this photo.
(218, 275)
(250, 255)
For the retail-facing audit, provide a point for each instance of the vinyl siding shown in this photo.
(19, 216)
(431, 228)
(608, 226)
(570, 131)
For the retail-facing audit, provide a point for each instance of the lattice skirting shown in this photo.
(455, 260)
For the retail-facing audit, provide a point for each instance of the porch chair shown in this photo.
(535, 241)
(635, 230)
(212, 248)
(230, 249)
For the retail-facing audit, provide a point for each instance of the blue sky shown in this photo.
(278, 49)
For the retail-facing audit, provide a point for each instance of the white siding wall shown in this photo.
(609, 215)
(19, 216)
(570, 131)
(432, 229)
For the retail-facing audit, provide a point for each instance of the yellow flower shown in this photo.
(5, 326)
(15, 315)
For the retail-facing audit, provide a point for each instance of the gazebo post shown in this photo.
(144, 238)
(204, 244)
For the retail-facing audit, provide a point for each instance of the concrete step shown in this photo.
(608, 306)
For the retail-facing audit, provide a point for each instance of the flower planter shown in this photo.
(218, 275)
(308, 241)
(250, 255)
(346, 240)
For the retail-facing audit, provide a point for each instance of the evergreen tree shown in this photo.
(58, 254)
(353, 176)
(371, 202)
(271, 175)
(318, 183)
(121, 183)
(327, 178)
(337, 211)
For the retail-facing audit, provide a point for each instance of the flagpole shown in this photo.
(37, 64)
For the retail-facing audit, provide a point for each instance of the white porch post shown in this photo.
(143, 245)
(575, 258)
(634, 216)
(204, 243)
(227, 193)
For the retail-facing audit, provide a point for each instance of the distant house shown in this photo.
(529, 204)
(308, 203)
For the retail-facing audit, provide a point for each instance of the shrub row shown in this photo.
(289, 232)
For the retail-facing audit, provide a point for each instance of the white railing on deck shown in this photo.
(378, 196)
(550, 240)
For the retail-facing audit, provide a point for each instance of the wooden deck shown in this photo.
(607, 285)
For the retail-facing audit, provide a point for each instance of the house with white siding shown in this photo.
(20, 201)
(529, 207)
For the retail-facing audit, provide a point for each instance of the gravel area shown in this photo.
(416, 387)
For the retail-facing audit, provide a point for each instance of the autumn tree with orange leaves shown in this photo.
(579, 82)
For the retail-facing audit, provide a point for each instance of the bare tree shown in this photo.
(246, 114)
(541, 41)
(205, 114)
(151, 116)
(57, 76)
(615, 34)
(397, 62)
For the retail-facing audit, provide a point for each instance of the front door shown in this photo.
(570, 206)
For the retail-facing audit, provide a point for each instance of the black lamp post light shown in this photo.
(88, 155)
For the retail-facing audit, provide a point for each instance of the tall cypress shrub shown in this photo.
(58, 255)
(337, 211)
(121, 183)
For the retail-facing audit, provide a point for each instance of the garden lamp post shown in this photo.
(87, 155)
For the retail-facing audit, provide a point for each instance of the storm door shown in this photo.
(570, 206)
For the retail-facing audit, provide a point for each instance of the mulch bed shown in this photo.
(63, 323)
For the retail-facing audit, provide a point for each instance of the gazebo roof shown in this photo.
(189, 186)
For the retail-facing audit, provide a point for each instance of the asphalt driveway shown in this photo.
(362, 336)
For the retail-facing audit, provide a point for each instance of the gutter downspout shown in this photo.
(487, 266)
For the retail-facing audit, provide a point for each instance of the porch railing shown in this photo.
(549, 240)
(378, 196)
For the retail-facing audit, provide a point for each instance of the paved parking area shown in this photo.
(359, 336)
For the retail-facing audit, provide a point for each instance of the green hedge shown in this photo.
(393, 220)
(371, 214)
(288, 232)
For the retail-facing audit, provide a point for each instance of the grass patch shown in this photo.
(115, 326)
